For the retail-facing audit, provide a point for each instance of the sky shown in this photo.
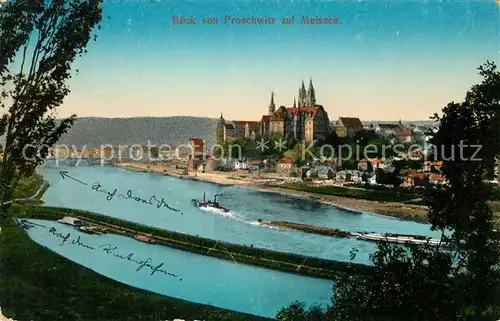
(387, 60)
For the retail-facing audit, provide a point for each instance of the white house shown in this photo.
(240, 165)
(387, 129)
(285, 163)
(356, 176)
(404, 136)
(325, 172)
(342, 176)
(372, 180)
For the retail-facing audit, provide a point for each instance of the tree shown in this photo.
(297, 312)
(424, 284)
(461, 282)
(300, 153)
(365, 135)
(240, 147)
(39, 40)
(380, 148)
(388, 178)
(333, 139)
(462, 205)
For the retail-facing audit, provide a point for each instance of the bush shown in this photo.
(371, 195)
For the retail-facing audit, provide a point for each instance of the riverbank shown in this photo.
(286, 262)
(39, 284)
(416, 213)
(365, 236)
(217, 178)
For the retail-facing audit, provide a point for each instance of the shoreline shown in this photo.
(271, 259)
(416, 213)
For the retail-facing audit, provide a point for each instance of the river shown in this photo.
(121, 193)
(238, 226)
(196, 278)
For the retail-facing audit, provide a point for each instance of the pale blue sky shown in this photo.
(387, 60)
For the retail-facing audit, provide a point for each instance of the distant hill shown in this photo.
(176, 130)
(94, 132)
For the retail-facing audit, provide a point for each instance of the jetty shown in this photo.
(308, 228)
(365, 236)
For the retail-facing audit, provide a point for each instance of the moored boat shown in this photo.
(69, 220)
(397, 238)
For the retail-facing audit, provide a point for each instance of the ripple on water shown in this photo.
(240, 226)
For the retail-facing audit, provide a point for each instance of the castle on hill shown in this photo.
(305, 120)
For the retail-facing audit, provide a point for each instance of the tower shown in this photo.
(311, 95)
(302, 95)
(272, 105)
(220, 130)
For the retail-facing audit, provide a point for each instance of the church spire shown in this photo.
(272, 105)
(221, 119)
(294, 102)
(311, 95)
(302, 95)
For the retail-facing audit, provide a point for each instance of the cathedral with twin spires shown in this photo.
(305, 120)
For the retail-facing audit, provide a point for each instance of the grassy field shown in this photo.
(37, 284)
(28, 186)
(365, 194)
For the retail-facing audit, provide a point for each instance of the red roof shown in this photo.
(265, 118)
(436, 177)
(278, 115)
(295, 110)
(286, 160)
(407, 171)
(256, 162)
(415, 153)
(403, 133)
(417, 175)
(371, 160)
(351, 121)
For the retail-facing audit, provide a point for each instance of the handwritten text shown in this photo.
(152, 200)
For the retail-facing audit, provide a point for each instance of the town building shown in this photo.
(348, 126)
(369, 164)
(197, 146)
(404, 136)
(228, 130)
(325, 172)
(305, 120)
(386, 129)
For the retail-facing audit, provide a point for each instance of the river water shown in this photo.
(238, 226)
(207, 280)
(197, 278)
